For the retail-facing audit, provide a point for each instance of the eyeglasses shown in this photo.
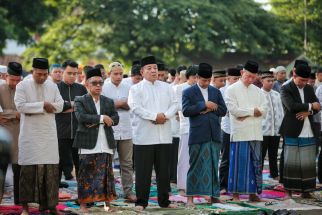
(97, 83)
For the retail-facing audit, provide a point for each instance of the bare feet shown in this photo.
(236, 197)
(108, 208)
(172, 206)
(130, 198)
(216, 200)
(139, 208)
(254, 198)
(288, 195)
(208, 198)
(223, 191)
(182, 192)
(307, 195)
(25, 210)
(83, 209)
(190, 203)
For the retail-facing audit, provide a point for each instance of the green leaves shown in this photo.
(174, 31)
(293, 12)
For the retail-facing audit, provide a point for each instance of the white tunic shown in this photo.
(128, 81)
(146, 100)
(37, 142)
(184, 121)
(306, 130)
(175, 123)
(225, 121)
(123, 131)
(272, 121)
(241, 101)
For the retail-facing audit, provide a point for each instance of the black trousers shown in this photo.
(147, 156)
(270, 144)
(174, 159)
(282, 162)
(224, 164)
(16, 176)
(67, 157)
(320, 161)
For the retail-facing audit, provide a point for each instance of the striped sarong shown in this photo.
(245, 172)
(299, 164)
(202, 178)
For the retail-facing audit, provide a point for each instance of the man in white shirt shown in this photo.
(96, 115)
(183, 154)
(318, 94)
(3, 74)
(271, 123)
(233, 75)
(246, 106)
(56, 73)
(119, 92)
(37, 100)
(153, 104)
(136, 75)
(218, 79)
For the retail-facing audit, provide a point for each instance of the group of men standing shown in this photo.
(68, 125)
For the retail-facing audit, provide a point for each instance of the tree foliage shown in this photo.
(20, 20)
(174, 31)
(293, 12)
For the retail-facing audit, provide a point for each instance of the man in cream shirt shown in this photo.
(246, 105)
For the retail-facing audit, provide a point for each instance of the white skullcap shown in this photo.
(3, 69)
(272, 70)
(280, 69)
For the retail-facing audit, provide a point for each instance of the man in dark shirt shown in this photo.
(66, 121)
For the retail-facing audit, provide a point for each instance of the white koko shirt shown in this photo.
(123, 131)
(241, 101)
(146, 100)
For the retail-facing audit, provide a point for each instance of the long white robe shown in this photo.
(38, 143)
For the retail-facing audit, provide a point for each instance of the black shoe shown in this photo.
(63, 185)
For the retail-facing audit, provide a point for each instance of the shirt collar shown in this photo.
(202, 89)
(150, 83)
(267, 92)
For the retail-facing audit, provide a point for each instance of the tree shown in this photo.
(172, 30)
(293, 13)
(20, 20)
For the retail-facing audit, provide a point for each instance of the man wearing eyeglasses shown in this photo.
(96, 114)
(152, 103)
(66, 121)
(115, 89)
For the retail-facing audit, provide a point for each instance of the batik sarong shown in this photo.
(299, 164)
(96, 178)
(245, 172)
(202, 178)
(39, 184)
